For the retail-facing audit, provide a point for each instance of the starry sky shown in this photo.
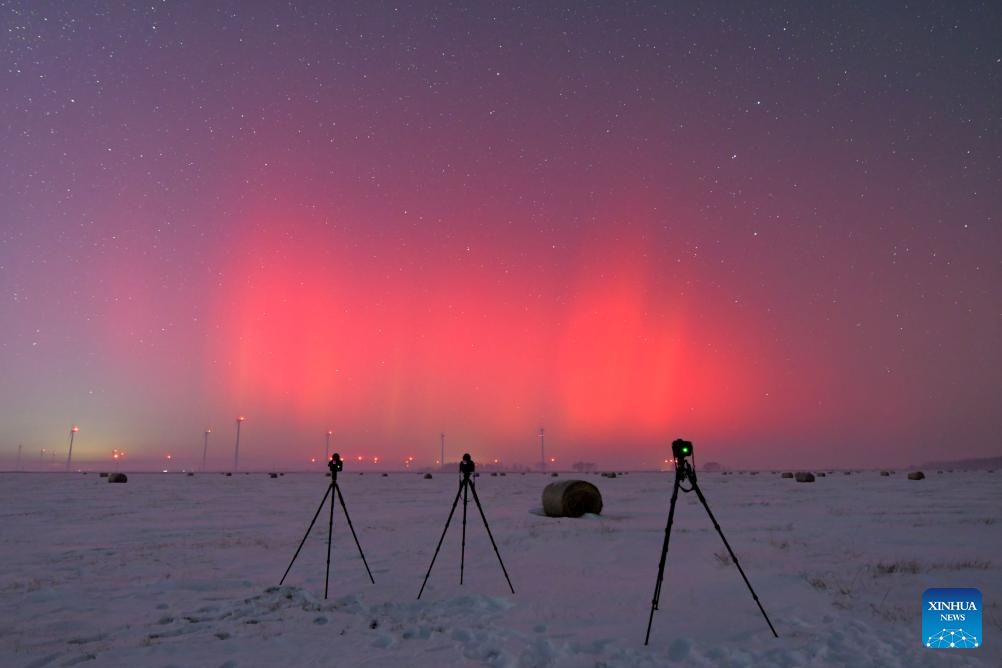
(769, 227)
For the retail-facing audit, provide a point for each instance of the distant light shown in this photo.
(170, 456)
(553, 459)
(360, 458)
(330, 433)
(208, 431)
(241, 418)
(375, 460)
(75, 428)
(313, 460)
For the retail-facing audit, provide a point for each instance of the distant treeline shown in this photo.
(977, 463)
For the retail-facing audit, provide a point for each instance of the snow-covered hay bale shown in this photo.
(786, 474)
(571, 498)
(118, 477)
(804, 476)
(427, 476)
(916, 475)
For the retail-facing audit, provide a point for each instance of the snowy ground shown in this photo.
(169, 570)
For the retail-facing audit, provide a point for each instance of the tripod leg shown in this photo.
(319, 508)
(337, 488)
(462, 549)
(716, 526)
(439, 546)
(330, 536)
(664, 558)
(489, 535)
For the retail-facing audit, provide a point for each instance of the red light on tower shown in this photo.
(75, 429)
(241, 418)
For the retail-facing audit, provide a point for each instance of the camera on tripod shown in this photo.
(335, 464)
(466, 466)
(680, 449)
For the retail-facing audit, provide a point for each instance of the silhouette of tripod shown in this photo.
(681, 449)
(466, 485)
(335, 465)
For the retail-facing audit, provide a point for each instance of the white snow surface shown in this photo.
(171, 570)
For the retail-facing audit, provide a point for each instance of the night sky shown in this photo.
(772, 228)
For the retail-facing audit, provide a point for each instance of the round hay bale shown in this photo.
(104, 474)
(846, 472)
(786, 474)
(272, 475)
(190, 474)
(804, 476)
(553, 475)
(118, 477)
(821, 474)
(571, 498)
(885, 474)
(427, 476)
(493, 474)
(916, 475)
(229, 475)
(386, 475)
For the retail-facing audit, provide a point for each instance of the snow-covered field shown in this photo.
(170, 570)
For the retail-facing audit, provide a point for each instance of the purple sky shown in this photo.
(771, 228)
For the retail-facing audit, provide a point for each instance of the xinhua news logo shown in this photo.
(951, 618)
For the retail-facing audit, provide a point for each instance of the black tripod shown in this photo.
(335, 465)
(683, 471)
(466, 467)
